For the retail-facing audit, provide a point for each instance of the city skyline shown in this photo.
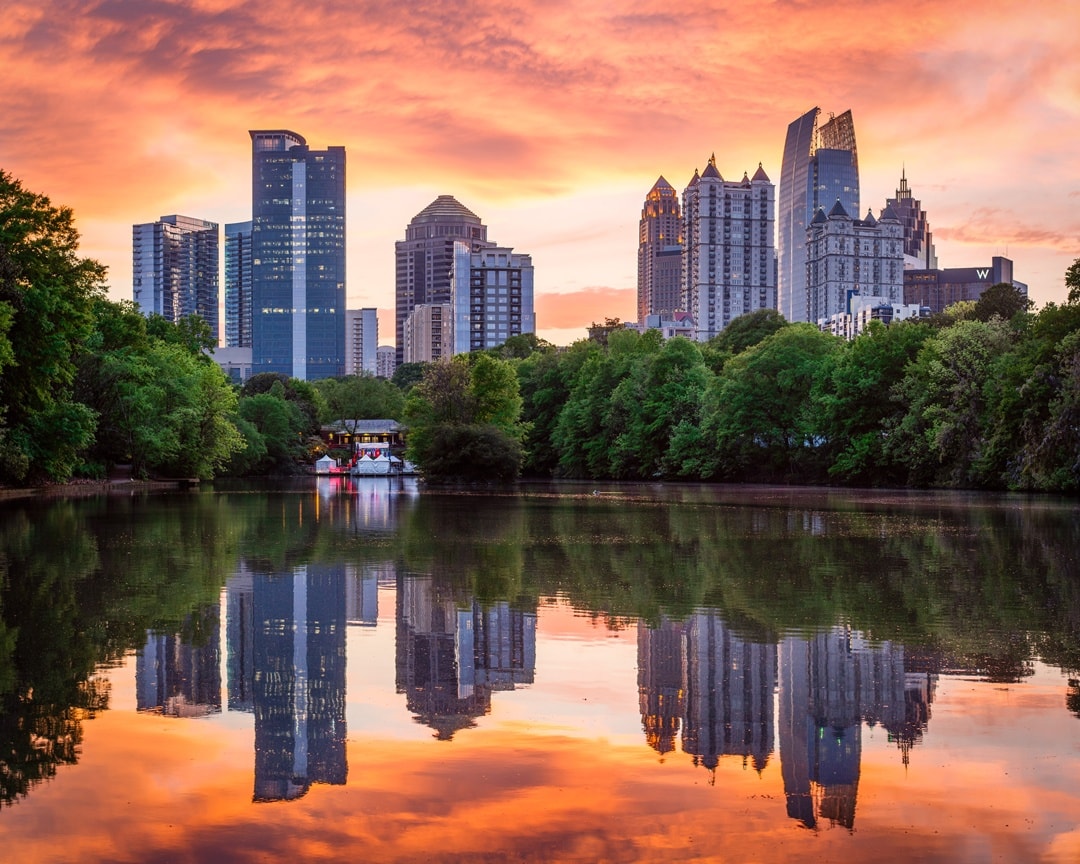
(979, 111)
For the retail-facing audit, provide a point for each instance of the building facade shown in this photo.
(491, 296)
(424, 259)
(847, 256)
(298, 256)
(937, 289)
(426, 335)
(175, 269)
(729, 261)
(820, 167)
(361, 341)
(238, 284)
(659, 275)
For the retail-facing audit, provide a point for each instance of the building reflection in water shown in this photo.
(720, 689)
(179, 674)
(451, 657)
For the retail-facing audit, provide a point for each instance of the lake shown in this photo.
(335, 669)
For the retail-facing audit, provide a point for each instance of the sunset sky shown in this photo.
(549, 120)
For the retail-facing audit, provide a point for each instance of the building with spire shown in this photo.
(729, 261)
(425, 258)
(820, 167)
(298, 256)
(919, 252)
(659, 279)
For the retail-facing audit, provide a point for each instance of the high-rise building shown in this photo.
(729, 263)
(385, 365)
(238, 284)
(820, 167)
(361, 341)
(659, 273)
(175, 269)
(298, 256)
(424, 259)
(426, 335)
(847, 256)
(491, 296)
(919, 252)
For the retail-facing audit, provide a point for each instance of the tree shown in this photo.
(747, 331)
(359, 397)
(755, 416)
(464, 420)
(47, 293)
(1072, 282)
(408, 375)
(1002, 300)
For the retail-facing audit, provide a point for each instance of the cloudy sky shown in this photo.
(549, 120)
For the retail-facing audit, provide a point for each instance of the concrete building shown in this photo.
(424, 259)
(298, 256)
(659, 279)
(729, 261)
(847, 256)
(361, 341)
(385, 365)
(175, 269)
(238, 284)
(820, 167)
(864, 309)
(491, 296)
(426, 334)
(937, 289)
(919, 252)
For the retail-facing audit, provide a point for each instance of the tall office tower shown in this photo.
(426, 255)
(298, 256)
(919, 252)
(238, 284)
(821, 167)
(847, 256)
(175, 268)
(385, 365)
(426, 335)
(728, 254)
(491, 296)
(659, 262)
(361, 341)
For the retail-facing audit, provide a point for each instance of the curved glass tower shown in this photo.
(821, 167)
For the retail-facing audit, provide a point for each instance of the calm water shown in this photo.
(340, 671)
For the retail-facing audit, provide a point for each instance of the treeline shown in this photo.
(986, 395)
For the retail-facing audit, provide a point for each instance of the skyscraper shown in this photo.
(175, 268)
(919, 252)
(238, 284)
(425, 257)
(491, 296)
(820, 167)
(361, 341)
(298, 256)
(659, 279)
(728, 255)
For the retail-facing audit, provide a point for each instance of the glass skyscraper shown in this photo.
(175, 269)
(298, 256)
(238, 284)
(820, 167)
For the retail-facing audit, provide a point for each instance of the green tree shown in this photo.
(1002, 300)
(47, 293)
(464, 420)
(755, 415)
(854, 405)
(359, 397)
(1072, 282)
(408, 375)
